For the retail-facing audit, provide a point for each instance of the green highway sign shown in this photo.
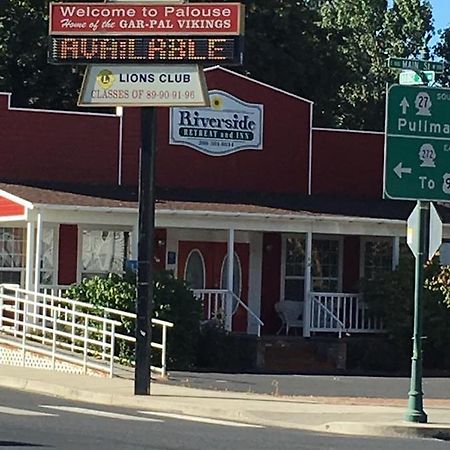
(411, 78)
(415, 64)
(417, 144)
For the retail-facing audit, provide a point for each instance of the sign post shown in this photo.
(417, 158)
(144, 301)
(137, 36)
(415, 411)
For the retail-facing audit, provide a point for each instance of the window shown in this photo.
(48, 257)
(377, 256)
(325, 265)
(12, 255)
(194, 273)
(103, 252)
(237, 275)
(294, 280)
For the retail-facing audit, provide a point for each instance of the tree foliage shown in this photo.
(390, 295)
(368, 32)
(332, 52)
(24, 70)
(443, 51)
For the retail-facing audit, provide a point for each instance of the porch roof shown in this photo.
(276, 213)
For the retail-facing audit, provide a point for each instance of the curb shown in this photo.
(157, 403)
(406, 430)
(154, 403)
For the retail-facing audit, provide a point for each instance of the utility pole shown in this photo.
(144, 306)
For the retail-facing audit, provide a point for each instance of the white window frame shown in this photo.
(20, 270)
(99, 227)
(195, 250)
(340, 240)
(362, 250)
(55, 228)
(222, 270)
(284, 239)
(315, 237)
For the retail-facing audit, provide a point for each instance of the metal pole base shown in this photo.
(416, 416)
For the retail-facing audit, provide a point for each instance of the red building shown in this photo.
(300, 208)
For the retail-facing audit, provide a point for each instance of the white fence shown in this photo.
(221, 305)
(332, 312)
(67, 329)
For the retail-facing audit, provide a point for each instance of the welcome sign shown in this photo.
(227, 126)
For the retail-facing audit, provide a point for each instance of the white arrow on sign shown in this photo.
(400, 170)
(405, 105)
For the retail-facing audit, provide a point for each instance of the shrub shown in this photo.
(390, 295)
(112, 291)
(173, 302)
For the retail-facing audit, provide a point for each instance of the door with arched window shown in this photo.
(207, 262)
(194, 270)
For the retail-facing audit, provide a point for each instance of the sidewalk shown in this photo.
(363, 416)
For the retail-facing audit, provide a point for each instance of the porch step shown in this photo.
(299, 355)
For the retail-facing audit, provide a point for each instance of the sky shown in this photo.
(441, 13)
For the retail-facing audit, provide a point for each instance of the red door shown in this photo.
(213, 255)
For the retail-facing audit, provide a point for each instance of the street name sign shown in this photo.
(216, 19)
(153, 85)
(409, 77)
(417, 143)
(415, 64)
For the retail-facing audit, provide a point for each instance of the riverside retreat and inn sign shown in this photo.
(227, 126)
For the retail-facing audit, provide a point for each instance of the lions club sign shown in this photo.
(227, 126)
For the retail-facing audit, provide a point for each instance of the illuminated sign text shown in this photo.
(123, 50)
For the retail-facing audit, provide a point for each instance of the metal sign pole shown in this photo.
(415, 412)
(144, 303)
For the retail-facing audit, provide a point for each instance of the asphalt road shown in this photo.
(41, 422)
(311, 385)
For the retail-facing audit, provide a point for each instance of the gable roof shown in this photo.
(252, 80)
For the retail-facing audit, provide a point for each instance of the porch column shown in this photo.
(255, 281)
(134, 242)
(230, 267)
(395, 252)
(307, 292)
(29, 256)
(37, 263)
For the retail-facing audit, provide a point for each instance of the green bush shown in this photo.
(115, 292)
(390, 295)
(173, 302)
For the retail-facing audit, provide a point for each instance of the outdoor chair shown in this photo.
(290, 314)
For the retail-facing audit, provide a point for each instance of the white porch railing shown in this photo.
(116, 314)
(333, 312)
(41, 325)
(218, 305)
(42, 315)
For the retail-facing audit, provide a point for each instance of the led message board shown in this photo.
(144, 50)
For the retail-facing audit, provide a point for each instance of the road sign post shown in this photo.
(144, 301)
(415, 412)
(416, 166)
